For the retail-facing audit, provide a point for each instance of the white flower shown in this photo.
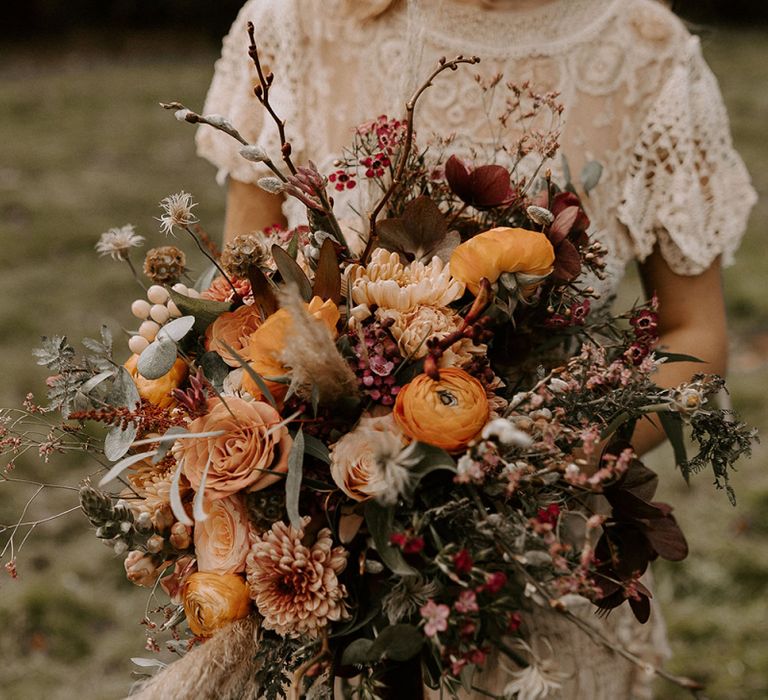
(117, 242)
(506, 433)
(388, 284)
(178, 212)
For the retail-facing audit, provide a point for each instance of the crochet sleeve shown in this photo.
(280, 43)
(687, 188)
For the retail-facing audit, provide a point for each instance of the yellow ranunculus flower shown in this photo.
(213, 600)
(158, 391)
(446, 413)
(266, 345)
(492, 253)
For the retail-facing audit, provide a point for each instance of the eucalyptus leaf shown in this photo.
(293, 480)
(147, 663)
(94, 381)
(158, 358)
(118, 441)
(214, 368)
(590, 175)
(123, 391)
(673, 427)
(205, 311)
(178, 328)
(397, 642)
(316, 448)
(166, 444)
(358, 653)
(123, 464)
(380, 521)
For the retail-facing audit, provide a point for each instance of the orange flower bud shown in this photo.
(492, 253)
(447, 413)
(213, 600)
(158, 391)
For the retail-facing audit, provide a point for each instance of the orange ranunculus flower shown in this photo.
(266, 345)
(446, 413)
(223, 539)
(245, 457)
(158, 391)
(492, 253)
(213, 600)
(232, 328)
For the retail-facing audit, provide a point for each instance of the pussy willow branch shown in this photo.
(225, 127)
(262, 94)
(405, 151)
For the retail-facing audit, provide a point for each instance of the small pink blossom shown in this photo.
(436, 617)
(467, 603)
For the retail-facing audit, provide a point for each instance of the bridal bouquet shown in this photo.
(388, 447)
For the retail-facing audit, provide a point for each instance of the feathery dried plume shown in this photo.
(118, 241)
(178, 212)
(317, 367)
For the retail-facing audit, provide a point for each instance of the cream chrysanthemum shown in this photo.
(411, 329)
(387, 283)
(153, 483)
(296, 587)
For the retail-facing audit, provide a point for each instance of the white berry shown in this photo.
(140, 309)
(159, 313)
(149, 330)
(180, 288)
(173, 310)
(193, 293)
(157, 294)
(138, 344)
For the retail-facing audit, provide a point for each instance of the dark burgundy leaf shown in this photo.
(563, 200)
(667, 538)
(424, 222)
(628, 506)
(420, 234)
(625, 549)
(641, 607)
(639, 480)
(563, 224)
(567, 262)
(457, 174)
(490, 187)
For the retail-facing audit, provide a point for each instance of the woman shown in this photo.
(639, 99)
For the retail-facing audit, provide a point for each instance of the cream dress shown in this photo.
(638, 98)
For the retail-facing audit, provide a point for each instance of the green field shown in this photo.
(83, 147)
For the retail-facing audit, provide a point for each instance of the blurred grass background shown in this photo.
(83, 147)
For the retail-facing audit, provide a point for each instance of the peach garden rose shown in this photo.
(233, 329)
(223, 538)
(447, 413)
(355, 457)
(213, 600)
(246, 457)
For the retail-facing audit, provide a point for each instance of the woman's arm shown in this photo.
(691, 321)
(249, 208)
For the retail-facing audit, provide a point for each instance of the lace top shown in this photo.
(638, 98)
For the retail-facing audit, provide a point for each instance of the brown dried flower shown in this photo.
(165, 265)
(245, 251)
(296, 587)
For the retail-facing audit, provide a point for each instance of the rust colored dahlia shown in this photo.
(295, 586)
